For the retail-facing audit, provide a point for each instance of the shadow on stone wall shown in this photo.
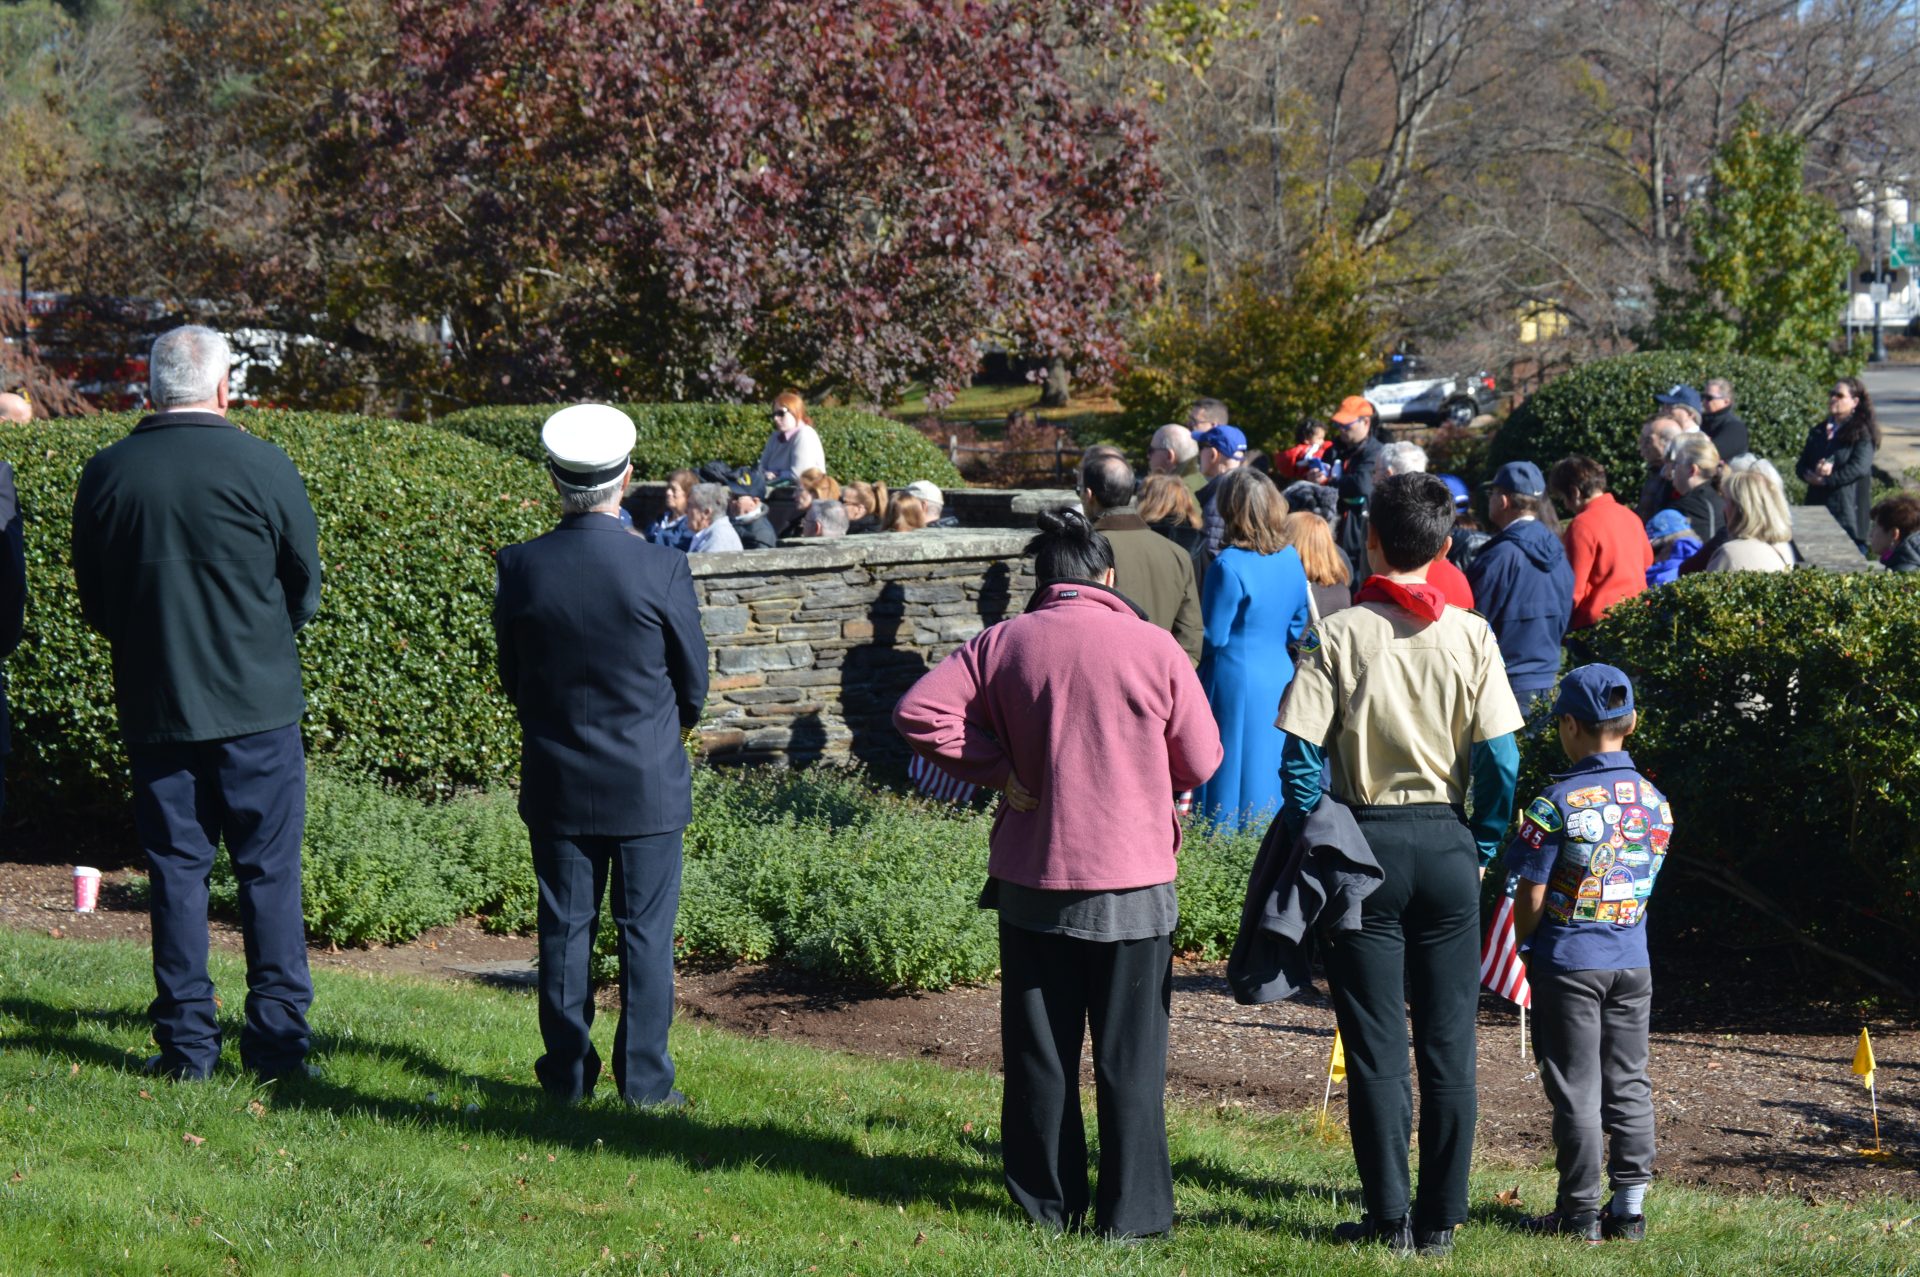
(873, 678)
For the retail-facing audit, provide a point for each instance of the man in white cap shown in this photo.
(602, 655)
(935, 501)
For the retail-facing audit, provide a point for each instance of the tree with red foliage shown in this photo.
(644, 200)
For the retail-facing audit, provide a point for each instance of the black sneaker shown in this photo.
(1623, 1228)
(158, 1066)
(1433, 1242)
(1584, 1225)
(1395, 1234)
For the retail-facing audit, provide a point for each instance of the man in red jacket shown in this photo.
(1607, 544)
(1091, 719)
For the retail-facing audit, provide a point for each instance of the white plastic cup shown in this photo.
(86, 888)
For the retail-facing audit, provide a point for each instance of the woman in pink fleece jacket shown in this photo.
(1091, 719)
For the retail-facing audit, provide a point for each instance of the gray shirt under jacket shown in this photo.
(1137, 913)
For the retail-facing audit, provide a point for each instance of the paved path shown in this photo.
(1896, 401)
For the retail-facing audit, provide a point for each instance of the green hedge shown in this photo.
(859, 445)
(1781, 714)
(820, 868)
(399, 663)
(1596, 411)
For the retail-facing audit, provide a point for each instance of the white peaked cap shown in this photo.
(588, 445)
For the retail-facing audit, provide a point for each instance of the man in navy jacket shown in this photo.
(1522, 582)
(602, 654)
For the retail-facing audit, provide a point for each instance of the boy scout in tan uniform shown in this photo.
(1410, 697)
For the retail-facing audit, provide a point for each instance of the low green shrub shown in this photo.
(378, 867)
(859, 445)
(399, 663)
(1596, 411)
(1780, 712)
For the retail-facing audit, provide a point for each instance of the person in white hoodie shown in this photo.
(793, 448)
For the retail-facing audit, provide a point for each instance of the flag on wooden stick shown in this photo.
(1500, 967)
(1863, 1065)
(1336, 1072)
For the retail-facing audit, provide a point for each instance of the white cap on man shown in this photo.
(588, 445)
(927, 491)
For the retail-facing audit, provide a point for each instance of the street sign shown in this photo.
(1906, 247)
(1878, 292)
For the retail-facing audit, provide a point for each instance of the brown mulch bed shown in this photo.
(1751, 1086)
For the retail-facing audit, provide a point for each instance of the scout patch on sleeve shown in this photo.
(1532, 835)
(1310, 641)
(1542, 812)
(1586, 826)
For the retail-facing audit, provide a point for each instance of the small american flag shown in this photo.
(929, 780)
(1500, 967)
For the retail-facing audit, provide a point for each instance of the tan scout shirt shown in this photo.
(1398, 703)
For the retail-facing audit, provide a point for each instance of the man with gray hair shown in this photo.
(712, 530)
(1656, 433)
(602, 655)
(1173, 451)
(1721, 423)
(1402, 458)
(824, 519)
(197, 557)
(15, 408)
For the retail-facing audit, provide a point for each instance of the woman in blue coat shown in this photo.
(1253, 607)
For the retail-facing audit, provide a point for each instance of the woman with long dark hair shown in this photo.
(1837, 462)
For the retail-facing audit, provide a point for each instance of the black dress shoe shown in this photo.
(1395, 1234)
(1433, 1242)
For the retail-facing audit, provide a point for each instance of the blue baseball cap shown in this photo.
(1685, 396)
(1587, 693)
(1458, 487)
(1228, 441)
(1522, 478)
(1666, 523)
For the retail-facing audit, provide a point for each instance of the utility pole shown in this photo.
(1879, 285)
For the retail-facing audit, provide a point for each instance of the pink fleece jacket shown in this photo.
(1100, 715)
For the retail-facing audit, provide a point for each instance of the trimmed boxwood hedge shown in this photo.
(859, 445)
(1596, 410)
(399, 663)
(1780, 712)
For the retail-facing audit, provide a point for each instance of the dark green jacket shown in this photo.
(197, 557)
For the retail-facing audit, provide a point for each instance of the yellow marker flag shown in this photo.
(1337, 1067)
(1862, 1058)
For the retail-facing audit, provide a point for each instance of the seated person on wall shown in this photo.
(671, 529)
(866, 505)
(748, 509)
(1891, 538)
(824, 519)
(707, 516)
(1693, 473)
(814, 485)
(934, 502)
(793, 446)
(906, 513)
(1657, 433)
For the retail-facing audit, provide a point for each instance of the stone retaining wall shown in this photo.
(813, 645)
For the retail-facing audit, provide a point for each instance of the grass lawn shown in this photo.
(995, 402)
(426, 1149)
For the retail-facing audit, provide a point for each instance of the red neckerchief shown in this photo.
(1423, 600)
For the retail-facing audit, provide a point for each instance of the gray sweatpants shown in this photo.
(1590, 1038)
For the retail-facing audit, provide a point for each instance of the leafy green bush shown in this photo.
(859, 445)
(1596, 411)
(398, 665)
(379, 867)
(1780, 714)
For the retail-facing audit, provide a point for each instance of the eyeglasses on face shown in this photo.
(781, 412)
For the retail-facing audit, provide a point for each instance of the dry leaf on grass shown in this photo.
(1508, 1197)
(195, 1140)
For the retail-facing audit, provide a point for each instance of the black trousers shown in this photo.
(252, 792)
(1418, 945)
(573, 874)
(1053, 988)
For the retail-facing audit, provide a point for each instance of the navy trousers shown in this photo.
(573, 873)
(252, 792)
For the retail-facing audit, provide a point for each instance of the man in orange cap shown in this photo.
(1359, 454)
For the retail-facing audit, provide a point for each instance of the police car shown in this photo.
(1407, 390)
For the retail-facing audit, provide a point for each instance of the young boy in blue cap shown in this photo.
(1587, 854)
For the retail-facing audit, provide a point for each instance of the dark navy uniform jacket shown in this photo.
(602, 655)
(1597, 838)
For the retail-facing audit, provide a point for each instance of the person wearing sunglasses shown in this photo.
(793, 447)
(1837, 461)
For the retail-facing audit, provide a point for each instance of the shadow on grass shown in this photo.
(520, 1111)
